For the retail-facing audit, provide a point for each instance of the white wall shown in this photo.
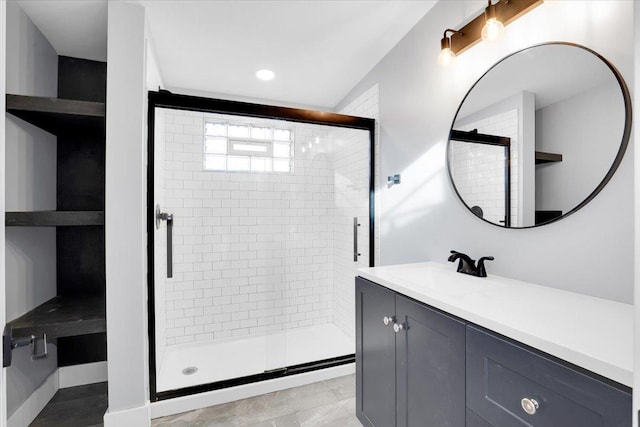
(422, 219)
(30, 175)
(636, 133)
(3, 318)
(125, 217)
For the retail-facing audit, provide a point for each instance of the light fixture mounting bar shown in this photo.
(506, 11)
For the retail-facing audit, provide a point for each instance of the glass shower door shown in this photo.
(261, 226)
(218, 248)
(329, 241)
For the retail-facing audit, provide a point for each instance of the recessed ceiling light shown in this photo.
(265, 74)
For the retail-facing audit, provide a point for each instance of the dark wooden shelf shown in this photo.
(547, 216)
(58, 116)
(542, 157)
(82, 405)
(53, 218)
(63, 316)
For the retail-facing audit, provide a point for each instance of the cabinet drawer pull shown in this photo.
(388, 320)
(529, 405)
(397, 327)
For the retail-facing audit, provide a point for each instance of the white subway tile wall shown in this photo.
(160, 239)
(352, 187)
(368, 105)
(479, 170)
(254, 252)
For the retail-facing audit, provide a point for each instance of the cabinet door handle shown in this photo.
(388, 320)
(529, 405)
(397, 327)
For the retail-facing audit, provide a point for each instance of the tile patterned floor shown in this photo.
(329, 403)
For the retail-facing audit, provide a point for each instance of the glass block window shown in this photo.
(247, 148)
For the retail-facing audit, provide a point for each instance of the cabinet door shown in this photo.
(375, 355)
(430, 353)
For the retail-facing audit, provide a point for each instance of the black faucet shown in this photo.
(468, 266)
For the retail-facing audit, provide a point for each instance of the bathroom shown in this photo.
(413, 102)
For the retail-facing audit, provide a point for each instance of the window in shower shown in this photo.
(262, 283)
(249, 147)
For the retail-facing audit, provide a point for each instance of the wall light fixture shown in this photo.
(493, 28)
(487, 26)
(446, 57)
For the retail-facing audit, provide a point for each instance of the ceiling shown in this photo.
(319, 50)
(74, 28)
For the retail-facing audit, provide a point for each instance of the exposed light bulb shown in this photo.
(492, 30)
(446, 57)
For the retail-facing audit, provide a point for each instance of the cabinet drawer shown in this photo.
(473, 420)
(500, 374)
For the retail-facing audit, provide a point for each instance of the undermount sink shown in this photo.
(436, 277)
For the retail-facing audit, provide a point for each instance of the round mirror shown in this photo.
(539, 135)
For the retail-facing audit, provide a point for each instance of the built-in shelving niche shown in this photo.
(75, 317)
(544, 216)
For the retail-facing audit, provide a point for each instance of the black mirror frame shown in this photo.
(616, 162)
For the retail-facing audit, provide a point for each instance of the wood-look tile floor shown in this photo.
(329, 403)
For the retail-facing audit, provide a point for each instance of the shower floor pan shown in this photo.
(218, 361)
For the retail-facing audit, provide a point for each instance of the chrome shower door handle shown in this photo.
(163, 216)
(355, 239)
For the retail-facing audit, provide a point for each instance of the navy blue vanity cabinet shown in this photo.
(474, 420)
(410, 362)
(509, 385)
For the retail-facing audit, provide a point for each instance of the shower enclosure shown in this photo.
(258, 217)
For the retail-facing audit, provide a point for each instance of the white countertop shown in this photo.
(593, 333)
